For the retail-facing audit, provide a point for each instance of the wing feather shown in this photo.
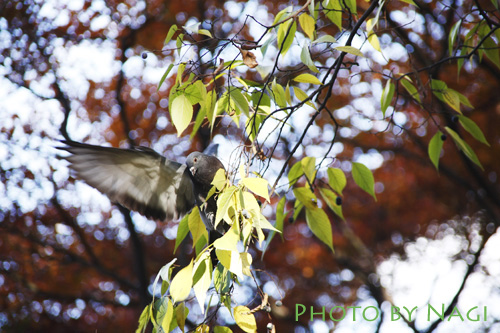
(139, 179)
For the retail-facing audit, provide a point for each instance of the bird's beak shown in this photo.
(192, 170)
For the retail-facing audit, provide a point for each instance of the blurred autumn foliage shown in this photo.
(89, 70)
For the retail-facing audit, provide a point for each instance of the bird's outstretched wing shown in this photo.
(139, 179)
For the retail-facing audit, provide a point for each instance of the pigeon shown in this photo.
(142, 180)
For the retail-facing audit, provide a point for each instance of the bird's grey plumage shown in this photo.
(202, 167)
(142, 180)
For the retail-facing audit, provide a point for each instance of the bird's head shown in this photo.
(202, 167)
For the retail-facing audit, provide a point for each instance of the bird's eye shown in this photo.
(195, 159)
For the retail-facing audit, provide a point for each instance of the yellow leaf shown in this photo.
(203, 329)
(307, 24)
(181, 113)
(258, 186)
(373, 39)
(205, 32)
(307, 78)
(350, 49)
(309, 167)
(237, 263)
(246, 260)
(219, 179)
(167, 318)
(228, 241)
(245, 319)
(250, 203)
(182, 283)
(201, 286)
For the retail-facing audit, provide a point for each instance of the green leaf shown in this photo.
(245, 319)
(180, 71)
(167, 314)
(318, 222)
(182, 283)
(210, 107)
(492, 50)
(200, 116)
(445, 94)
(305, 57)
(196, 92)
(169, 68)
(252, 125)
(331, 200)
(286, 34)
(258, 186)
(452, 99)
(240, 101)
(280, 215)
(312, 10)
(464, 147)
(265, 46)
(463, 99)
(182, 231)
(297, 208)
(333, 10)
(307, 78)
(296, 171)
(308, 25)
(278, 94)
(438, 87)
(336, 179)
(387, 95)
(470, 126)
(351, 4)
(434, 149)
(350, 49)
(453, 36)
(222, 329)
(196, 226)
(164, 273)
(144, 319)
(283, 14)
(309, 167)
(178, 43)
(363, 177)
(222, 279)
(181, 113)
(410, 88)
(325, 39)
(306, 197)
(170, 34)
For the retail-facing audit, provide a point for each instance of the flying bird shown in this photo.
(142, 180)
